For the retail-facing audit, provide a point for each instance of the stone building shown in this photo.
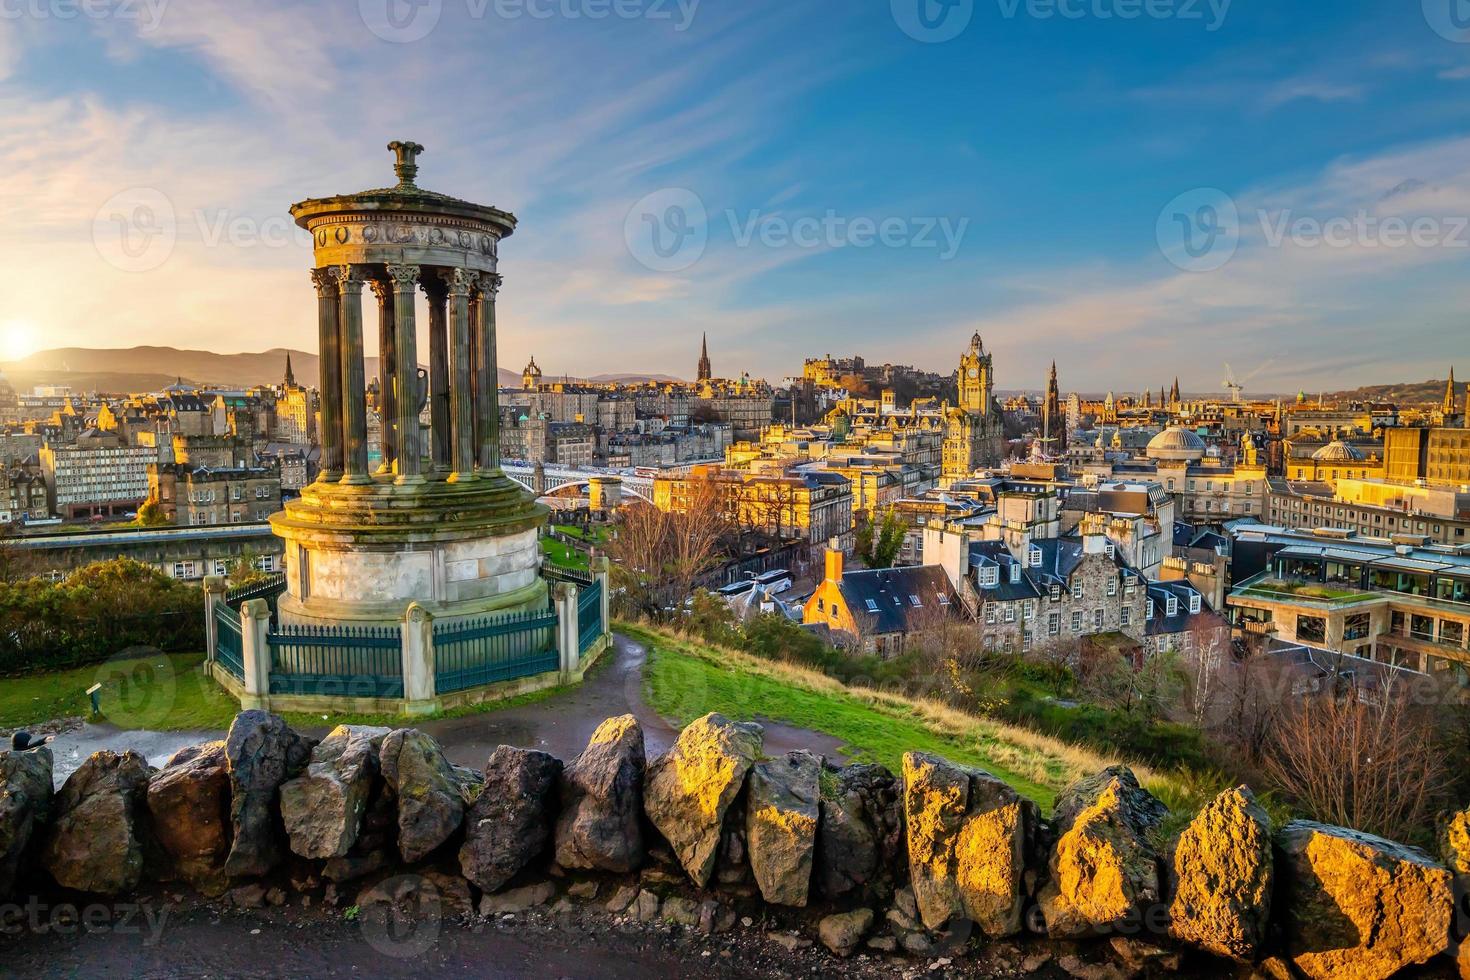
(878, 611)
(200, 495)
(23, 495)
(975, 428)
(295, 412)
(99, 475)
(813, 507)
(539, 439)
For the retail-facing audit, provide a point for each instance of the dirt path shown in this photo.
(560, 724)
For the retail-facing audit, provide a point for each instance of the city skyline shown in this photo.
(967, 191)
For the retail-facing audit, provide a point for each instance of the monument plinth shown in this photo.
(436, 523)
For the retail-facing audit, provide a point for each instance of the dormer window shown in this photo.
(1149, 611)
(1015, 573)
(989, 577)
(872, 606)
(1033, 556)
(1173, 606)
(1112, 550)
(1194, 603)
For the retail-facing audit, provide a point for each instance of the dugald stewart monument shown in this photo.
(438, 525)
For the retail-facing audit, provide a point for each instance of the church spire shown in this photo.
(704, 366)
(290, 375)
(1451, 400)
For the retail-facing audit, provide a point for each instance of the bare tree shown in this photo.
(1375, 767)
(659, 556)
(1206, 647)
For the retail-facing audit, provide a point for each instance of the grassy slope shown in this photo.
(686, 680)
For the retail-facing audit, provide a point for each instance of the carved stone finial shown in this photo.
(407, 167)
(325, 280)
(404, 276)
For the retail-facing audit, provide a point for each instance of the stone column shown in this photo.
(487, 400)
(330, 361)
(433, 287)
(354, 380)
(406, 398)
(461, 389)
(387, 374)
(602, 575)
(255, 653)
(214, 597)
(568, 636)
(419, 690)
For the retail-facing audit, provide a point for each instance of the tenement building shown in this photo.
(197, 495)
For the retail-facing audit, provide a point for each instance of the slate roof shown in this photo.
(891, 591)
(1183, 620)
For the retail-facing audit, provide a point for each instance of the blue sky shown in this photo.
(1031, 174)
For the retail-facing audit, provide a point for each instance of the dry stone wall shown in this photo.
(941, 856)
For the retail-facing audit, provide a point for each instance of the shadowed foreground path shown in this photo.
(559, 724)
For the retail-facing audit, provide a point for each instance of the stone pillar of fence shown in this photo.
(567, 634)
(255, 625)
(214, 596)
(419, 690)
(602, 575)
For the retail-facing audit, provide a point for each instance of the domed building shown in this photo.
(1338, 459)
(1176, 444)
(1337, 451)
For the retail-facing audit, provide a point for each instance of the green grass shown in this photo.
(563, 555)
(164, 692)
(686, 680)
(171, 693)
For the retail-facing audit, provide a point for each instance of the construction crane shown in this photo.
(1235, 386)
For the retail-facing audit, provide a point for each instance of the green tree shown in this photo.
(151, 514)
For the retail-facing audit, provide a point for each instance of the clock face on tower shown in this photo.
(974, 372)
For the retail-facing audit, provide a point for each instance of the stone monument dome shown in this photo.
(1176, 443)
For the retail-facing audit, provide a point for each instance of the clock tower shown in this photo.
(976, 382)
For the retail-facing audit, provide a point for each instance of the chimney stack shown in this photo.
(834, 561)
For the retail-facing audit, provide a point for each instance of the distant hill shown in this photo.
(1406, 393)
(137, 369)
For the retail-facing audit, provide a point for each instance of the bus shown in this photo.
(775, 581)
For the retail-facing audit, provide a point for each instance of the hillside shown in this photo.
(1402, 394)
(150, 368)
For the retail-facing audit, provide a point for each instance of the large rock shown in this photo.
(860, 835)
(430, 795)
(322, 808)
(842, 932)
(692, 786)
(189, 799)
(781, 814)
(262, 752)
(1222, 873)
(1104, 869)
(601, 823)
(1358, 907)
(96, 843)
(968, 835)
(510, 823)
(25, 808)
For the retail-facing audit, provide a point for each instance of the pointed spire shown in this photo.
(1450, 398)
(290, 375)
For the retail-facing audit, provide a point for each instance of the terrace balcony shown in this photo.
(1269, 588)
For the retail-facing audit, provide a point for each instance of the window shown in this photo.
(1028, 611)
(1311, 629)
(990, 616)
(221, 567)
(989, 577)
(1171, 606)
(1097, 619)
(1077, 621)
(1112, 586)
(1194, 603)
(914, 601)
(1056, 593)
(872, 606)
(1033, 557)
(1076, 590)
(1011, 613)
(1125, 616)
(1149, 609)
(1053, 624)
